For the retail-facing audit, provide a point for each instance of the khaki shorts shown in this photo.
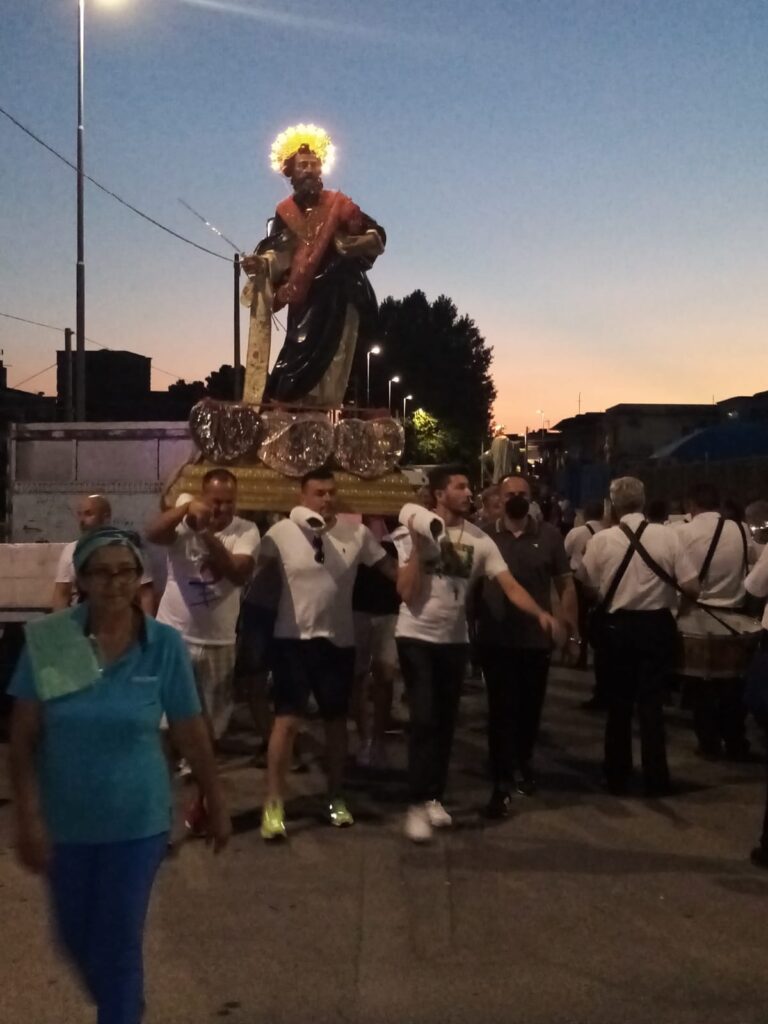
(374, 641)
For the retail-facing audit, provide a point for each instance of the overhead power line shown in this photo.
(109, 192)
(91, 341)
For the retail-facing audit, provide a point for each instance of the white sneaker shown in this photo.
(437, 814)
(417, 825)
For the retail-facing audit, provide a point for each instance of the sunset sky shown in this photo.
(587, 180)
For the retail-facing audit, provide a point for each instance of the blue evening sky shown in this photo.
(585, 178)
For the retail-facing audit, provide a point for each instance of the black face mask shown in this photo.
(516, 506)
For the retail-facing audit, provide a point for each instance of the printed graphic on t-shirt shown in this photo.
(455, 560)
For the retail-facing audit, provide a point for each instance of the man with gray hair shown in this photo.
(632, 566)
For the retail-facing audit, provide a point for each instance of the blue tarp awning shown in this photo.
(728, 441)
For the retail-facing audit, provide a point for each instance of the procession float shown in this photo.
(313, 267)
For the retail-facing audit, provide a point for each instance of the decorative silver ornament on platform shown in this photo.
(294, 443)
(225, 431)
(369, 448)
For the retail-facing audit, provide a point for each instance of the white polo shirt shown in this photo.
(438, 615)
(756, 582)
(641, 589)
(203, 608)
(724, 583)
(577, 539)
(316, 596)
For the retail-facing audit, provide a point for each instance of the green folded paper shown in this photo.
(62, 657)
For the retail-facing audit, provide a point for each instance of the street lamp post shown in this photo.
(392, 380)
(375, 350)
(80, 267)
(406, 400)
(541, 413)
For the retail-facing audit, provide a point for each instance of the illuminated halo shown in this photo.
(287, 144)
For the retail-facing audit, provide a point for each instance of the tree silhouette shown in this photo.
(443, 360)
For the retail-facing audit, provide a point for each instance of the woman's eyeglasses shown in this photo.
(105, 576)
(317, 544)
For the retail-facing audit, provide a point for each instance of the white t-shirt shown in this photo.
(316, 596)
(203, 609)
(756, 582)
(65, 571)
(438, 615)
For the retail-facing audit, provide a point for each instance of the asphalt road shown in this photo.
(581, 909)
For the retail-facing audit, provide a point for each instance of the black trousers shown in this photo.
(433, 676)
(719, 714)
(516, 681)
(640, 651)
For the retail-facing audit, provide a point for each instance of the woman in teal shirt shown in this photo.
(91, 783)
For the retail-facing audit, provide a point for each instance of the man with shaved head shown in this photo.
(92, 513)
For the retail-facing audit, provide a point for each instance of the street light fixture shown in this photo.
(374, 350)
(80, 266)
(392, 380)
(540, 412)
(406, 400)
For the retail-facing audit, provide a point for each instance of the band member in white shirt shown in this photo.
(757, 585)
(721, 551)
(576, 541)
(639, 633)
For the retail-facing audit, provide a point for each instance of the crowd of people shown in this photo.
(116, 690)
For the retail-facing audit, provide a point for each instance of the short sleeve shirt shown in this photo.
(316, 592)
(756, 582)
(203, 608)
(640, 588)
(438, 614)
(102, 770)
(535, 558)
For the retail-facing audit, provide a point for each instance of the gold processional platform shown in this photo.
(268, 450)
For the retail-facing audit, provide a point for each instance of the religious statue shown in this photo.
(313, 264)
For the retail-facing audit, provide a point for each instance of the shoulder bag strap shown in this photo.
(711, 550)
(744, 546)
(618, 576)
(591, 529)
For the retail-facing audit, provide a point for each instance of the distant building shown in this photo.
(629, 433)
(23, 406)
(118, 388)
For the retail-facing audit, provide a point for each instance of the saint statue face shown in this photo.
(307, 175)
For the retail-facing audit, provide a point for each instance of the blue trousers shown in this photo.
(100, 895)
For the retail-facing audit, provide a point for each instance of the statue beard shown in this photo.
(307, 188)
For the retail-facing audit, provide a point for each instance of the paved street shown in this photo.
(582, 909)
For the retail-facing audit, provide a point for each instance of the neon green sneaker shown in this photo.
(338, 813)
(273, 821)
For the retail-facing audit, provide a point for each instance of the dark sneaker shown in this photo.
(526, 783)
(759, 856)
(499, 806)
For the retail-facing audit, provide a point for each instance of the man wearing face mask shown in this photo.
(514, 650)
(432, 637)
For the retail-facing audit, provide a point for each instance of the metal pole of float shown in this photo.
(236, 324)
